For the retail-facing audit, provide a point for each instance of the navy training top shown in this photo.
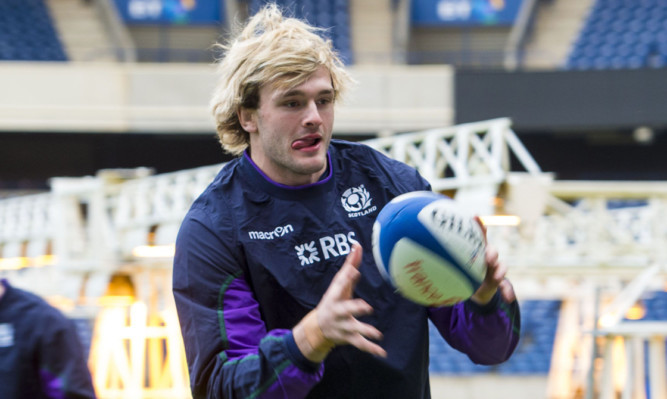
(253, 257)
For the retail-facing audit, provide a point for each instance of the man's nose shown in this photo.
(312, 116)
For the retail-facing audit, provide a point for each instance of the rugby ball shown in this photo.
(429, 248)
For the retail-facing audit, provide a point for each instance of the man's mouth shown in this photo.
(306, 142)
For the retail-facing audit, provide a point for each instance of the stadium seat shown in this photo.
(620, 34)
(27, 32)
(658, 61)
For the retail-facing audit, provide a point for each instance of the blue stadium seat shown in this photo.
(621, 34)
(578, 63)
(658, 61)
(27, 32)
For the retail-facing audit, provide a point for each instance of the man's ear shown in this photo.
(247, 119)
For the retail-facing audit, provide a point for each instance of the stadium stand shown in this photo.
(551, 28)
(27, 32)
(90, 31)
(333, 16)
(532, 356)
(622, 34)
(655, 307)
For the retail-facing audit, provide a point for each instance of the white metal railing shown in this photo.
(590, 235)
(459, 156)
(92, 224)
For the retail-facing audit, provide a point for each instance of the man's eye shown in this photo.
(324, 101)
(292, 104)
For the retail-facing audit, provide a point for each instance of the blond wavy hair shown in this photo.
(271, 49)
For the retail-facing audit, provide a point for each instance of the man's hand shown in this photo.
(495, 277)
(494, 280)
(334, 320)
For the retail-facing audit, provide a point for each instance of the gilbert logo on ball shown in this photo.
(429, 249)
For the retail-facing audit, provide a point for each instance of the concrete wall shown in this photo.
(489, 386)
(173, 98)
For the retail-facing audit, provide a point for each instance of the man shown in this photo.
(274, 280)
(41, 356)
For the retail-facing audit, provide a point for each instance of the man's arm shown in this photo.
(486, 327)
(230, 354)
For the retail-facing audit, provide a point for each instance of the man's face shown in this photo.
(291, 130)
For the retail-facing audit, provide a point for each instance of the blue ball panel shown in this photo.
(399, 219)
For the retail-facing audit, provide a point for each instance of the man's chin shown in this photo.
(313, 166)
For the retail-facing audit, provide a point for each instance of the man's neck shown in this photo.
(2, 289)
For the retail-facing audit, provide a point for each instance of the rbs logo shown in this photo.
(324, 248)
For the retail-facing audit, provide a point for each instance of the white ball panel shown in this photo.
(426, 278)
(458, 234)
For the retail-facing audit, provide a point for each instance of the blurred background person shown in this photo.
(41, 355)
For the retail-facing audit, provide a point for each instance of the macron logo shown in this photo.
(270, 235)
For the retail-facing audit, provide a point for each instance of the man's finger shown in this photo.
(507, 291)
(491, 255)
(353, 307)
(365, 345)
(354, 257)
(368, 331)
(344, 281)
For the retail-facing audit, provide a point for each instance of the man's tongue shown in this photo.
(303, 143)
